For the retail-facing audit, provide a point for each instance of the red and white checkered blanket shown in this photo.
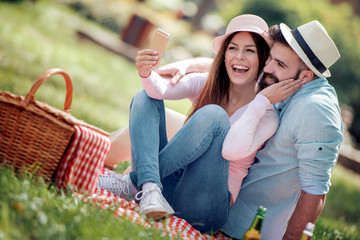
(83, 160)
(173, 226)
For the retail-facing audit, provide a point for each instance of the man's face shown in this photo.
(283, 63)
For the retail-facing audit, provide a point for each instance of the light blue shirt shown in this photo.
(300, 156)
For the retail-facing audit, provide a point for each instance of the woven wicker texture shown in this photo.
(34, 135)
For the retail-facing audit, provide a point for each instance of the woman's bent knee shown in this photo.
(141, 99)
(213, 115)
(141, 96)
(213, 110)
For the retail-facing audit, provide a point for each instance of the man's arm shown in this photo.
(200, 64)
(177, 70)
(308, 209)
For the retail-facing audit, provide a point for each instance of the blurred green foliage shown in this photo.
(11, 1)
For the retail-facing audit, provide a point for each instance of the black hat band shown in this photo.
(307, 50)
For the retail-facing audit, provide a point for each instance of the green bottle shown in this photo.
(308, 231)
(254, 231)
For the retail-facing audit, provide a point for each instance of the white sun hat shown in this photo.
(313, 45)
(244, 23)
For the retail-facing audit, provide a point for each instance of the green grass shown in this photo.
(30, 209)
(340, 218)
(345, 191)
(35, 37)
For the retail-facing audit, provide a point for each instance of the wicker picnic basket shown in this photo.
(33, 134)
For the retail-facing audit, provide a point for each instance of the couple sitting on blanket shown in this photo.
(260, 77)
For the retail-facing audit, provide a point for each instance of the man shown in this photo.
(291, 174)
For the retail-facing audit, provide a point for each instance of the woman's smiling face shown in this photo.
(241, 59)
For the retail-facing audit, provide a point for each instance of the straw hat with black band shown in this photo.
(313, 45)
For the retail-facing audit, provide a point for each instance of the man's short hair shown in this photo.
(276, 35)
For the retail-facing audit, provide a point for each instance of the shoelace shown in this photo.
(142, 193)
(122, 187)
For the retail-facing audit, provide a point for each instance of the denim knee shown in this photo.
(213, 115)
(141, 99)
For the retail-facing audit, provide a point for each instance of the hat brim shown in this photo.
(286, 31)
(218, 41)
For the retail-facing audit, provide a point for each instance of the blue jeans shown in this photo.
(189, 169)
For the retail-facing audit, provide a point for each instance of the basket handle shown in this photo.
(30, 97)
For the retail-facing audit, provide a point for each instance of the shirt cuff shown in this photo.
(263, 99)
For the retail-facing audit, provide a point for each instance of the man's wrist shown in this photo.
(199, 64)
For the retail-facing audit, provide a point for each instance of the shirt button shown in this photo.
(280, 109)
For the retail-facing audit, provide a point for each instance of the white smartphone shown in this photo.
(158, 43)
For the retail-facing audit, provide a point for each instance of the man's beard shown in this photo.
(263, 83)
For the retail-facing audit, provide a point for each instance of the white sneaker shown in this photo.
(153, 204)
(118, 184)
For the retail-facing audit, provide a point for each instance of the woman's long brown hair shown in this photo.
(216, 89)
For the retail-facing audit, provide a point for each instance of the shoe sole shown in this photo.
(158, 215)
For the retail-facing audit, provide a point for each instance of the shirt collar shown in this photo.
(309, 86)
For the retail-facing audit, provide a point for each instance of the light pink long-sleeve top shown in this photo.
(251, 125)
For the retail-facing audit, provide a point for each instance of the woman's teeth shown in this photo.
(240, 69)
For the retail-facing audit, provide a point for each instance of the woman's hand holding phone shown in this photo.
(149, 59)
(145, 61)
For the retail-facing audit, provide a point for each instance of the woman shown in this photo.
(228, 123)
